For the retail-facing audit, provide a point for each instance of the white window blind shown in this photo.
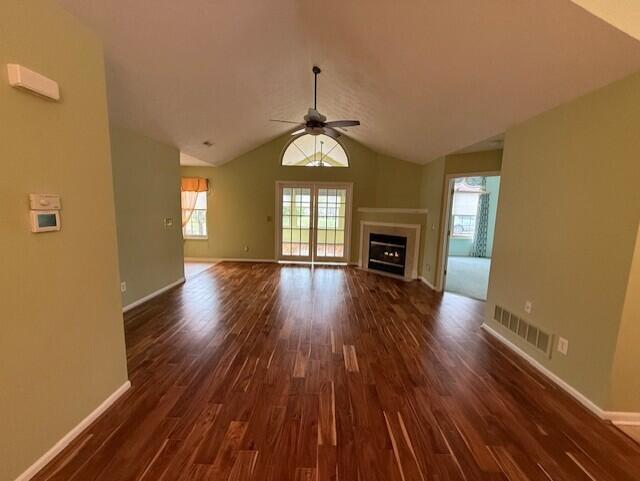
(465, 203)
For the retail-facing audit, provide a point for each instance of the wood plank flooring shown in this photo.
(264, 372)
(632, 431)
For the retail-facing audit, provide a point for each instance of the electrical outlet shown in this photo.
(168, 222)
(245, 248)
(123, 286)
(527, 307)
(563, 345)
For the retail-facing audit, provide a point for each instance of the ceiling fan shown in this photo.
(314, 122)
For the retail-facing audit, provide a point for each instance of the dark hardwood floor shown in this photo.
(266, 372)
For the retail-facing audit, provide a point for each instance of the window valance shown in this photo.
(194, 184)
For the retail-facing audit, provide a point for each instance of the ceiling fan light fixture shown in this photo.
(314, 122)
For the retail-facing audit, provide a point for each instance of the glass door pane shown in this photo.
(296, 222)
(330, 225)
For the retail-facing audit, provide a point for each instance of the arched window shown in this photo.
(315, 151)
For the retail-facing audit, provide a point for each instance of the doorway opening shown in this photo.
(473, 204)
(314, 221)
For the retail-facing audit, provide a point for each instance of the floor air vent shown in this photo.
(527, 331)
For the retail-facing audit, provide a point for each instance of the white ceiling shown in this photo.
(425, 77)
(189, 160)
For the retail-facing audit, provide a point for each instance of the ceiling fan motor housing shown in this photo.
(314, 122)
(314, 116)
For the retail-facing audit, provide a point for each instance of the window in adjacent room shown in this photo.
(465, 207)
(194, 207)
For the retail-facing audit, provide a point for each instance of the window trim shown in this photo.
(462, 236)
(296, 137)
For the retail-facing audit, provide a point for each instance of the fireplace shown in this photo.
(387, 253)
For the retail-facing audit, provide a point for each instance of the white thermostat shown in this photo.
(45, 212)
(45, 220)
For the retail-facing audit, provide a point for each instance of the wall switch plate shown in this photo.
(563, 345)
(168, 222)
(123, 286)
(269, 218)
(527, 307)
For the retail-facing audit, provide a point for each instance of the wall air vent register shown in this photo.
(533, 335)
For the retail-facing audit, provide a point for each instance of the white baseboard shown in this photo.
(425, 281)
(144, 299)
(238, 259)
(618, 418)
(71, 435)
(577, 395)
(200, 259)
(621, 418)
(225, 259)
(233, 259)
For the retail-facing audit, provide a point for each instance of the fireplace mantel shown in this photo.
(410, 231)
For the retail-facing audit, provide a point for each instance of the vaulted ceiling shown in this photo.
(623, 14)
(425, 77)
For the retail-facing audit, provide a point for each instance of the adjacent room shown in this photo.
(302, 241)
(473, 205)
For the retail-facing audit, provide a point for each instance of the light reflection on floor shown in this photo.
(192, 269)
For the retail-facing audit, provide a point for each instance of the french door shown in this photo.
(314, 221)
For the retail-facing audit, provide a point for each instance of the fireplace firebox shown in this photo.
(387, 253)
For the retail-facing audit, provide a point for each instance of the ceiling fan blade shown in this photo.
(343, 123)
(334, 134)
(284, 121)
(297, 132)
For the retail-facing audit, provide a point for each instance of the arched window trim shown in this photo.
(293, 139)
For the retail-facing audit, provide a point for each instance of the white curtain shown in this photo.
(188, 205)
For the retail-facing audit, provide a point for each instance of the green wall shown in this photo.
(460, 247)
(241, 206)
(566, 232)
(473, 163)
(431, 192)
(62, 344)
(146, 183)
(243, 197)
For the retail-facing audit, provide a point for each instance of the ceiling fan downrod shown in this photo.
(316, 71)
